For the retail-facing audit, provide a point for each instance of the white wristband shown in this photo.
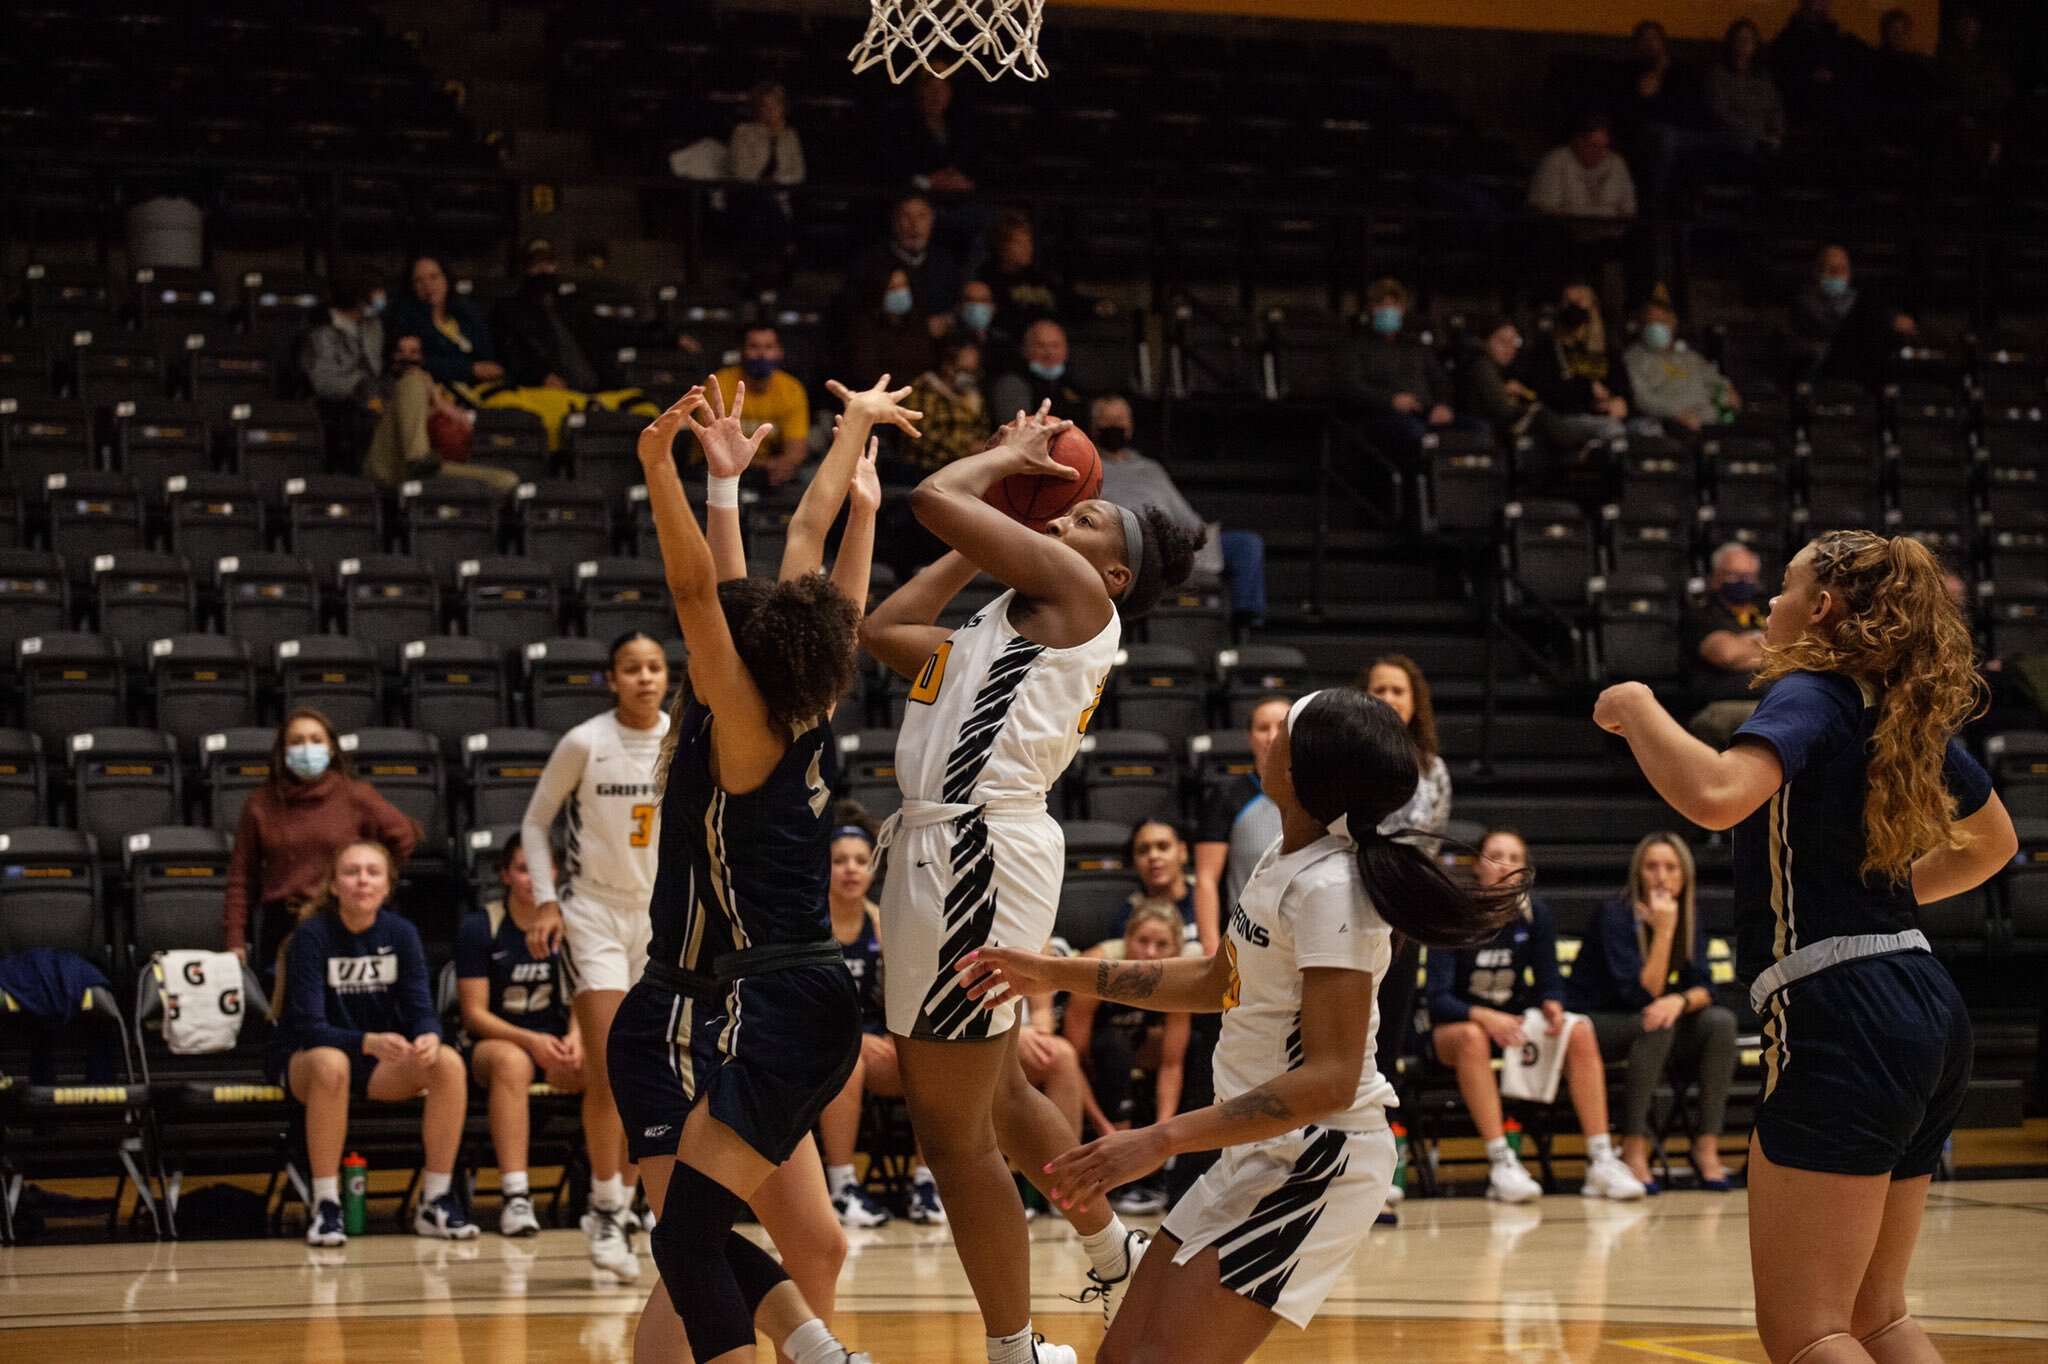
(721, 492)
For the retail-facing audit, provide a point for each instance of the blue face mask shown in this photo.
(1050, 373)
(896, 302)
(1835, 286)
(977, 315)
(306, 761)
(1386, 320)
(375, 307)
(757, 368)
(1738, 592)
(1657, 335)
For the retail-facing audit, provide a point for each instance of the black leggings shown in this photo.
(1112, 1057)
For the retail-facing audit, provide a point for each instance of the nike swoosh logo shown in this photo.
(924, 864)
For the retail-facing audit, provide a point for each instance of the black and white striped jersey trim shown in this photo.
(1257, 1257)
(1006, 675)
(970, 917)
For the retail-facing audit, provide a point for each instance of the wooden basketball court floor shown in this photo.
(1563, 1280)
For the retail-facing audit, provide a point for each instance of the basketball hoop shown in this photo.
(941, 36)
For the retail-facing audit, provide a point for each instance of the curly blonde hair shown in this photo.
(1897, 634)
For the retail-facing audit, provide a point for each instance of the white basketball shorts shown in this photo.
(608, 936)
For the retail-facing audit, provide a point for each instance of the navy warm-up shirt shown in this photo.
(1799, 858)
(340, 985)
(526, 991)
(1497, 974)
(1607, 977)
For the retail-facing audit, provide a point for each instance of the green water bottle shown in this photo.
(1401, 1158)
(1513, 1131)
(355, 1194)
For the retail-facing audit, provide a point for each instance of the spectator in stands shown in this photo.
(1903, 82)
(1490, 382)
(774, 395)
(458, 346)
(540, 348)
(1977, 74)
(309, 809)
(1044, 375)
(974, 318)
(421, 431)
(1478, 998)
(1741, 94)
(343, 358)
(1673, 382)
(1820, 68)
(1846, 332)
(956, 420)
(1131, 480)
(1660, 109)
(1024, 291)
(1238, 824)
(357, 1021)
(1724, 639)
(937, 149)
(1641, 976)
(856, 925)
(1585, 177)
(886, 337)
(1159, 855)
(1584, 388)
(1393, 376)
(1397, 680)
(933, 273)
(516, 1026)
(769, 156)
(1120, 1040)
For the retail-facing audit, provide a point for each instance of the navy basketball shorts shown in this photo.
(767, 1059)
(360, 1068)
(1865, 1068)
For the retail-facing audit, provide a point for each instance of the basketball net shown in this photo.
(941, 36)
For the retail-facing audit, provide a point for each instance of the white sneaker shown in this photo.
(1510, 1183)
(515, 1217)
(925, 1208)
(611, 1245)
(857, 1210)
(1610, 1178)
(1395, 1195)
(1054, 1354)
(323, 1228)
(444, 1219)
(1110, 1292)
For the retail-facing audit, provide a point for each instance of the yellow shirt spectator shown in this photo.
(781, 400)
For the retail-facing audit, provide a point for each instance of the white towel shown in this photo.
(202, 997)
(1530, 1071)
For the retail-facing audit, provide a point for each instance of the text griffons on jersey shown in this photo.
(996, 715)
(526, 991)
(741, 871)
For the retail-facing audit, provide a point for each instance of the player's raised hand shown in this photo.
(880, 405)
(1030, 439)
(728, 450)
(658, 439)
(995, 975)
(866, 493)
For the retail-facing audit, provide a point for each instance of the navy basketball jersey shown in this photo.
(863, 958)
(741, 871)
(526, 991)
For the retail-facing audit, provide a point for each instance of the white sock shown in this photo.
(1497, 1151)
(1017, 1349)
(326, 1189)
(608, 1194)
(432, 1186)
(839, 1178)
(512, 1182)
(921, 1173)
(1600, 1146)
(813, 1343)
(1106, 1249)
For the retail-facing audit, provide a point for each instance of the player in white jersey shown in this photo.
(997, 710)
(1301, 1106)
(600, 780)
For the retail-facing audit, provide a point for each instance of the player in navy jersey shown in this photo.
(516, 1027)
(746, 1022)
(1852, 804)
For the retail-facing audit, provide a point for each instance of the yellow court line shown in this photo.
(1673, 1347)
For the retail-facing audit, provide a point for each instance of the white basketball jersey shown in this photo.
(1301, 910)
(994, 714)
(612, 819)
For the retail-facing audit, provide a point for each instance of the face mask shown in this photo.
(1834, 286)
(1738, 592)
(977, 315)
(966, 381)
(1386, 320)
(1571, 317)
(1112, 438)
(306, 761)
(1657, 335)
(757, 368)
(1050, 373)
(375, 307)
(896, 302)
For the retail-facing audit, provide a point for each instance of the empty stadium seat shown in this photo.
(70, 682)
(201, 684)
(50, 894)
(406, 768)
(867, 771)
(1637, 627)
(269, 443)
(91, 514)
(232, 764)
(177, 890)
(502, 767)
(335, 675)
(562, 525)
(140, 597)
(153, 440)
(2018, 760)
(507, 601)
(453, 687)
(2017, 609)
(24, 780)
(122, 781)
(1253, 672)
(389, 600)
(1464, 481)
(267, 598)
(617, 595)
(210, 516)
(329, 518)
(1129, 775)
(1550, 549)
(1192, 617)
(601, 447)
(481, 848)
(1095, 894)
(35, 595)
(565, 682)
(1160, 689)
(40, 437)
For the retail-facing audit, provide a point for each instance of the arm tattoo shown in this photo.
(1256, 1103)
(1128, 981)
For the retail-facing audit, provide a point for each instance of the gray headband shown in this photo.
(1134, 542)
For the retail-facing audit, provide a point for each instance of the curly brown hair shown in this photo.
(1896, 633)
(1422, 725)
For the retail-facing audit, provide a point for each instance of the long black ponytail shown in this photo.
(1352, 759)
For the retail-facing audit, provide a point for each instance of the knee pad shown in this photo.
(690, 1251)
(1811, 1346)
(1881, 1332)
(756, 1271)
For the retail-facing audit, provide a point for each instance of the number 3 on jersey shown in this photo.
(925, 690)
(643, 825)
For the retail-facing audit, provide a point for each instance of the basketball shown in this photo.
(1036, 499)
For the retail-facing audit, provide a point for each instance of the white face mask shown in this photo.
(307, 762)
